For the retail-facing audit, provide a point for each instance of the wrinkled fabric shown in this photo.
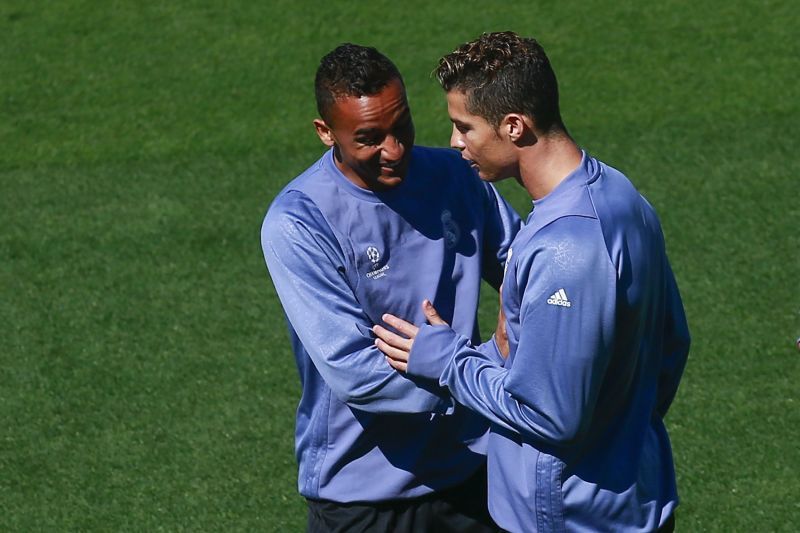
(340, 257)
(598, 342)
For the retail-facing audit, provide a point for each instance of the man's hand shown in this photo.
(500, 335)
(396, 347)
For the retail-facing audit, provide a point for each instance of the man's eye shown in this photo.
(367, 142)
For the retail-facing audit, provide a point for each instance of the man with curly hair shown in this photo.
(597, 336)
(376, 224)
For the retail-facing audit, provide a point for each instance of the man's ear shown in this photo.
(514, 126)
(518, 128)
(324, 132)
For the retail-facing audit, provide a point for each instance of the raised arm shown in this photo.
(551, 388)
(308, 269)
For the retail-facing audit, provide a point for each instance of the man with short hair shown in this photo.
(375, 224)
(597, 336)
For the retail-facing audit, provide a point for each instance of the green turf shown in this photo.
(145, 379)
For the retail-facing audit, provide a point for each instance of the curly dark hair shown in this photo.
(351, 70)
(503, 73)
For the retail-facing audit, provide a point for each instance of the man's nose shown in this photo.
(456, 139)
(392, 149)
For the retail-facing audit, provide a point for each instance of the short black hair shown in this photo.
(351, 70)
(503, 73)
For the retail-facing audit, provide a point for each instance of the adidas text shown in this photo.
(559, 298)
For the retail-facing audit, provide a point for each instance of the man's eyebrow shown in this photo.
(403, 118)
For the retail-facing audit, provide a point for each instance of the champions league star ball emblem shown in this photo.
(375, 270)
(373, 254)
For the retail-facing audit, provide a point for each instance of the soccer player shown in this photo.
(597, 337)
(375, 224)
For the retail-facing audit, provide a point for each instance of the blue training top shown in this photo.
(598, 342)
(340, 256)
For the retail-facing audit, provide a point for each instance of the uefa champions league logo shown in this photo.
(373, 254)
(375, 270)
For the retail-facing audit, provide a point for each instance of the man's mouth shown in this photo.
(390, 168)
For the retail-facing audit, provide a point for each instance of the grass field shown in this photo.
(146, 383)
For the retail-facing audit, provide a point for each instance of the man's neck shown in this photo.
(545, 164)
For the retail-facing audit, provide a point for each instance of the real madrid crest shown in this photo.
(450, 230)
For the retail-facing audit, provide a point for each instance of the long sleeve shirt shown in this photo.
(340, 256)
(598, 342)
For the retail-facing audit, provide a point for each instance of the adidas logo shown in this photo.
(559, 298)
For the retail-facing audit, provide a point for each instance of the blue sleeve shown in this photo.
(307, 267)
(492, 351)
(676, 345)
(550, 389)
(502, 225)
(440, 344)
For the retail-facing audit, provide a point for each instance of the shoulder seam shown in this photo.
(335, 235)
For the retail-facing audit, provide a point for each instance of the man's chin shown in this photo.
(485, 176)
(492, 176)
(390, 181)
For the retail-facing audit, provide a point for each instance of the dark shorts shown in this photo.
(461, 509)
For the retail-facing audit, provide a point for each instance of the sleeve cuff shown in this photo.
(432, 351)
